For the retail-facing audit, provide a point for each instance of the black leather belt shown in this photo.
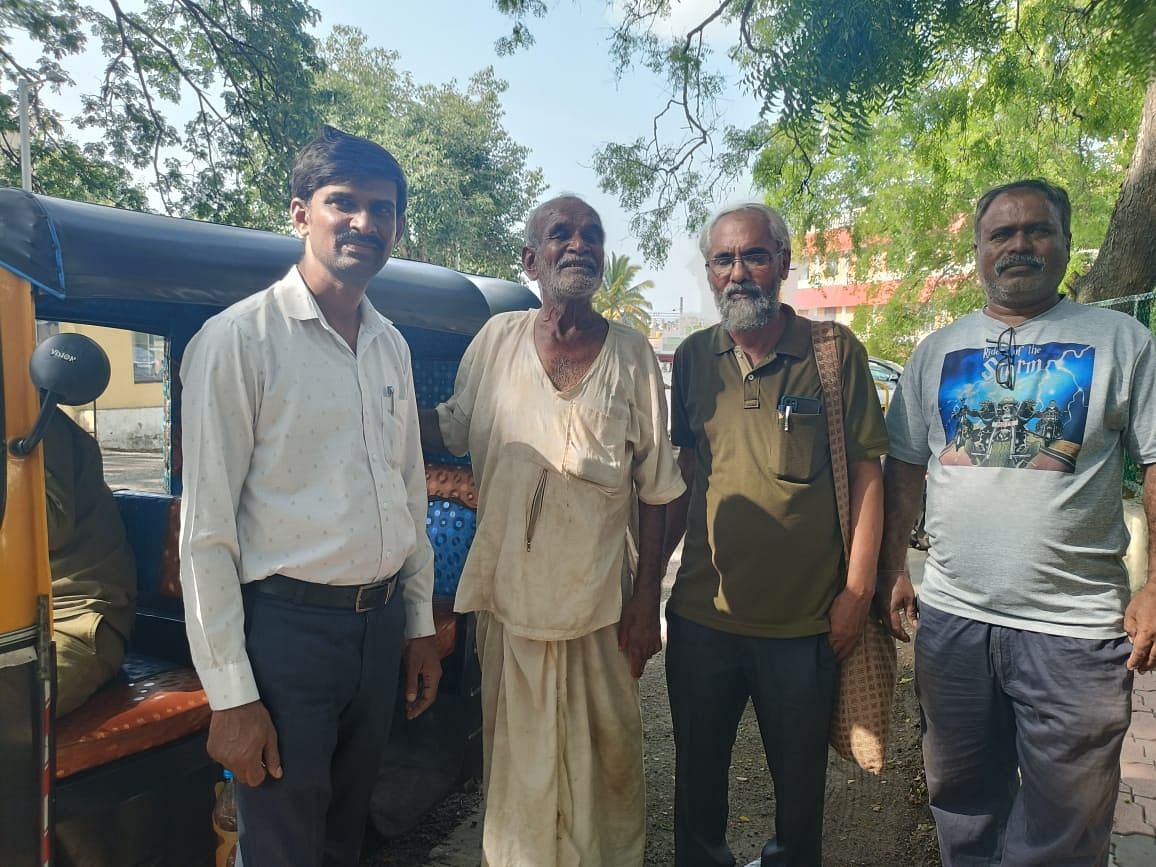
(358, 598)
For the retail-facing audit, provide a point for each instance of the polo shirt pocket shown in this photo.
(595, 446)
(797, 454)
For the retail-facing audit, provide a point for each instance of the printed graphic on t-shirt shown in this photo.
(1019, 406)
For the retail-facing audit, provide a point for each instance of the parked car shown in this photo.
(886, 376)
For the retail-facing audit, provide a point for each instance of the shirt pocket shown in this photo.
(595, 447)
(798, 453)
(392, 431)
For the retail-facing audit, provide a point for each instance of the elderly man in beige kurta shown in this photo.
(559, 471)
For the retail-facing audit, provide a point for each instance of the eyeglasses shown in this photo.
(1005, 366)
(756, 260)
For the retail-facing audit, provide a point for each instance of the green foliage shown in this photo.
(246, 69)
(254, 87)
(977, 90)
(1041, 106)
(469, 183)
(620, 298)
(80, 173)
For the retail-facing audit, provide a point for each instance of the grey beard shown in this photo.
(571, 286)
(745, 314)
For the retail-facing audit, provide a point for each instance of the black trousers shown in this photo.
(710, 676)
(329, 680)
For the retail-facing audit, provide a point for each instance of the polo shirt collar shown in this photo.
(796, 339)
(298, 303)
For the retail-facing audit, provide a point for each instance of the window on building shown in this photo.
(148, 357)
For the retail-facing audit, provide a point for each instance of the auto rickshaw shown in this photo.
(125, 779)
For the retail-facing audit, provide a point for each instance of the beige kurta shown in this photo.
(558, 473)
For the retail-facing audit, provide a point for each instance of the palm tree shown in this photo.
(622, 300)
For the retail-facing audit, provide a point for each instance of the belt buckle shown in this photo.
(370, 596)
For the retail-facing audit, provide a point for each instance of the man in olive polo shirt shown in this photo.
(764, 606)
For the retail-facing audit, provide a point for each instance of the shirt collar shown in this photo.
(298, 302)
(796, 339)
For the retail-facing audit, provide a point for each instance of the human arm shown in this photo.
(657, 483)
(682, 436)
(431, 431)
(850, 608)
(639, 632)
(902, 493)
(423, 669)
(676, 511)
(1140, 615)
(219, 398)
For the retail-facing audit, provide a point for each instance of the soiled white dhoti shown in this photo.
(562, 743)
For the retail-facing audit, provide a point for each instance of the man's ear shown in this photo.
(299, 216)
(398, 231)
(530, 262)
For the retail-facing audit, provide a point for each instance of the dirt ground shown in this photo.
(882, 821)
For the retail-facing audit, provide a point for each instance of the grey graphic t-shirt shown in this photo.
(1023, 431)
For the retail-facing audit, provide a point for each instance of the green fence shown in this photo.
(1139, 307)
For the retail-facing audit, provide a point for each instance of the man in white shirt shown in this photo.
(303, 520)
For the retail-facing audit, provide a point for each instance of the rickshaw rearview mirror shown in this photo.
(69, 369)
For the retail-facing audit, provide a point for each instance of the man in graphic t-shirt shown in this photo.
(1020, 416)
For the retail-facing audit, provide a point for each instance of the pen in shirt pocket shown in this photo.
(389, 395)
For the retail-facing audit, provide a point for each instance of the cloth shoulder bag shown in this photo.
(861, 723)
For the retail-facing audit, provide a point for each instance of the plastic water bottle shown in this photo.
(225, 821)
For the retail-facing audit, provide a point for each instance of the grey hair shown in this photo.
(533, 235)
(775, 223)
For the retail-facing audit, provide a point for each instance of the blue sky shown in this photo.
(562, 103)
(563, 100)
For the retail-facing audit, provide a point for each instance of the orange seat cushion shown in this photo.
(451, 482)
(123, 719)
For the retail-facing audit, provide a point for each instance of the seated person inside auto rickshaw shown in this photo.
(93, 571)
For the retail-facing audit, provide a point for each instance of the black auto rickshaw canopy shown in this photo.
(101, 265)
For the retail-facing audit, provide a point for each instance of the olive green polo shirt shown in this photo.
(763, 554)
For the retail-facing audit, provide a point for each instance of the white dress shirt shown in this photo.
(301, 457)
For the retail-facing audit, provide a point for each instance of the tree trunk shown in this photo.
(1126, 264)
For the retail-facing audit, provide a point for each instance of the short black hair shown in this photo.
(334, 157)
(1058, 196)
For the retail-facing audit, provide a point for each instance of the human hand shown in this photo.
(639, 633)
(423, 673)
(848, 616)
(1140, 624)
(895, 595)
(244, 740)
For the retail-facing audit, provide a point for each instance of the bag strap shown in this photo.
(830, 377)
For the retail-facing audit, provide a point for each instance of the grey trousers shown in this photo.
(1021, 741)
(329, 680)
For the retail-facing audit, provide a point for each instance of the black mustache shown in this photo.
(358, 238)
(1013, 259)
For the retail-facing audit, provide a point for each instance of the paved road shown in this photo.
(138, 471)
